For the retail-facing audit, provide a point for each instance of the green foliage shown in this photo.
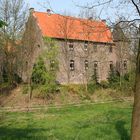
(39, 72)
(104, 84)
(123, 83)
(109, 121)
(92, 87)
(2, 23)
(113, 78)
(93, 84)
(44, 75)
(25, 89)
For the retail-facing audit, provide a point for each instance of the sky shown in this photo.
(109, 11)
(58, 6)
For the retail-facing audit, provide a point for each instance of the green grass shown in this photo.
(109, 121)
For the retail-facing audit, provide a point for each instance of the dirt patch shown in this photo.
(16, 98)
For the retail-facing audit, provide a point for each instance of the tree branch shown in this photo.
(138, 10)
(96, 5)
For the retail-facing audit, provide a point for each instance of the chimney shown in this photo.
(90, 18)
(49, 11)
(103, 20)
(31, 10)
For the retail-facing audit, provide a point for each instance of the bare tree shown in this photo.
(135, 135)
(13, 13)
(88, 13)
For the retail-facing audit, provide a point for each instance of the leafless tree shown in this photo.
(135, 4)
(13, 13)
(88, 13)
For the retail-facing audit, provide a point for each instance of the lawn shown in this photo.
(109, 121)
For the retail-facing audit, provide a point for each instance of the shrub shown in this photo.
(104, 84)
(25, 89)
(91, 87)
(39, 72)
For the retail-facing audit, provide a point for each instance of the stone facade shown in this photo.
(84, 61)
(77, 58)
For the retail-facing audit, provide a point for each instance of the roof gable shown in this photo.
(65, 27)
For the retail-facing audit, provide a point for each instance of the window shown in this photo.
(86, 46)
(125, 64)
(38, 46)
(95, 48)
(111, 65)
(52, 64)
(26, 63)
(95, 65)
(72, 65)
(95, 76)
(110, 49)
(71, 48)
(86, 64)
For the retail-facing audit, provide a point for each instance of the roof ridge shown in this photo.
(73, 17)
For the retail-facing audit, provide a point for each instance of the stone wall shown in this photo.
(102, 56)
(32, 46)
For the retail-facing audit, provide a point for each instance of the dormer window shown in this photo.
(86, 64)
(86, 46)
(71, 46)
(72, 65)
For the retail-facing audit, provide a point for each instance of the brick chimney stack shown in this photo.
(49, 11)
(31, 10)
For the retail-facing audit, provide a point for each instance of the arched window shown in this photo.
(72, 65)
(111, 65)
(95, 65)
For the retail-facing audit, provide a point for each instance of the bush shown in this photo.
(104, 84)
(39, 72)
(92, 87)
(122, 83)
(25, 89)
(44, 79)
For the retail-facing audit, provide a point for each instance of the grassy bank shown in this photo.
(110, 121)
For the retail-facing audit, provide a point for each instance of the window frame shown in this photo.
(111, 65)
(125, 64)
(110, 49)
(52, 64)
(86, 45)
(72, 67)
(95, 47)
(96, 63)
(86, 65)
(71, 46)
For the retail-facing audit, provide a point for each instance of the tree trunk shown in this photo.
(136, 109)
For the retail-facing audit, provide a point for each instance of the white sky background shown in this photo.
(109, 11)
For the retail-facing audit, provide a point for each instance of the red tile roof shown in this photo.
(65, 27)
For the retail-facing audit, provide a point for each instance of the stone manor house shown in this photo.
(85, 46)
